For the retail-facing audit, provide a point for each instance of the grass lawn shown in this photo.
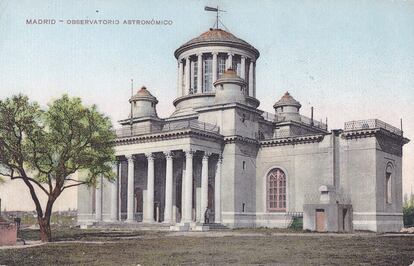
(239, 247)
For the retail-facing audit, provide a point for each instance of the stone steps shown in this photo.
(134, 226)
(159, 226)
(216, 226)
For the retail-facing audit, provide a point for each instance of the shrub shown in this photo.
(408, 215)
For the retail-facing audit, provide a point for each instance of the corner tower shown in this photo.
(203, 60)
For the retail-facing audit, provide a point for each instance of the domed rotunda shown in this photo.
(203, 60)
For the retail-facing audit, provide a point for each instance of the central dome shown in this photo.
(203, 60)
(216, 36)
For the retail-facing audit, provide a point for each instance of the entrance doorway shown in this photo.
(320, 220)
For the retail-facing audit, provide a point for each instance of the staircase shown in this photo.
(216, 226)
(134, 226)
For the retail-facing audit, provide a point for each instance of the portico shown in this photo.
(178, 194)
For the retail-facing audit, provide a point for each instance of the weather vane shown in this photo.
(217, 10)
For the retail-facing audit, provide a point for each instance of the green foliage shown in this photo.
(297, 223)
(408, 212)
(44, 148)
(53, 144)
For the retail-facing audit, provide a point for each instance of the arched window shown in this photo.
(276, 190)
(388, 183)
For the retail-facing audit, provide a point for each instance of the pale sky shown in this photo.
(349, 59)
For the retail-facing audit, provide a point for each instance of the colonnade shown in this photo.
(189, 76)
(148, 208)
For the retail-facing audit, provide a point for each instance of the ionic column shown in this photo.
(188, 197)
(229, 61)
(149, 210)
(214, 66)
(204, 185)
(98, 199)
(182, 191)
(254, 80)
(251, 84)
(180, 78)
(243, 67)
(168, 188)
(217, 192)
(199, 72)
(119, 191)
(114, 194)
(187, 76)
(130, 191)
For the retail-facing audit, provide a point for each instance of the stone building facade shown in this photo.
(218, 155)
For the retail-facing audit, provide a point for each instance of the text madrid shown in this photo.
(99, 21)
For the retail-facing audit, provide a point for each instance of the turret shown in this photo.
(143, 104)
(287, 108)
(230, 88)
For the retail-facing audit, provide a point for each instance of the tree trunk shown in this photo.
(45, 232)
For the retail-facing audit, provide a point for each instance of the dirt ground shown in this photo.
(238, 247)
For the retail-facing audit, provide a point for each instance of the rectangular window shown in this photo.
(208, 74)
(221, 66)
(191, 77)
(237, 65)
(244, 165)
(195, 76)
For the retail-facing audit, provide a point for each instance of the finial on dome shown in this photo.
(143, 94)
(287, 100)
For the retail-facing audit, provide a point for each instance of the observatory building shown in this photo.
(219, 160)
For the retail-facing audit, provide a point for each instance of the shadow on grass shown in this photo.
(77, 234)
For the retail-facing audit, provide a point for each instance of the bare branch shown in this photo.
(74, 180)
(74, 185)
(33, 181)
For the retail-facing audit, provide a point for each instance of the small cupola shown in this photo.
(287, 107)
(230, 88)
(143, 104)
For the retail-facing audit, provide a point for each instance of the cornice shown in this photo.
(366, 133)
(292, 140)
(191, 46)
(239, 139)
(169, 135)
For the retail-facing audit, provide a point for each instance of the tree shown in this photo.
(408, 211)
(44, 148)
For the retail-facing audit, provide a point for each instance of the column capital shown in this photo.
(199, 54)
(206, 155)
(230, 54)
(189, 153)
(150, 156)
(214, 53)
(220, 159)
(243, 57)
(130, 157)
(168, 155)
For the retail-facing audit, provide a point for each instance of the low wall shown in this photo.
(8, 234)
